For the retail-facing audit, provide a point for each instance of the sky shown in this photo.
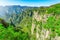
(36, 3)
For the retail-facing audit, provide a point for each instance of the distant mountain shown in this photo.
(12, 9)
(14, 12)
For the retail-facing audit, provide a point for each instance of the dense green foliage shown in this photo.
(10, 34)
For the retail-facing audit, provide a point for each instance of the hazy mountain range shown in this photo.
(12, 9)
(17, 12)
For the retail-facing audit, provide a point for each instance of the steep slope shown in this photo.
(40, 23)
(14, 12)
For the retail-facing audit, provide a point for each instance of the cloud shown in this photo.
(28, 2)
(8, 2)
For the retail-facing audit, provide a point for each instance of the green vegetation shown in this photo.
(41, 23)
(10, 34)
